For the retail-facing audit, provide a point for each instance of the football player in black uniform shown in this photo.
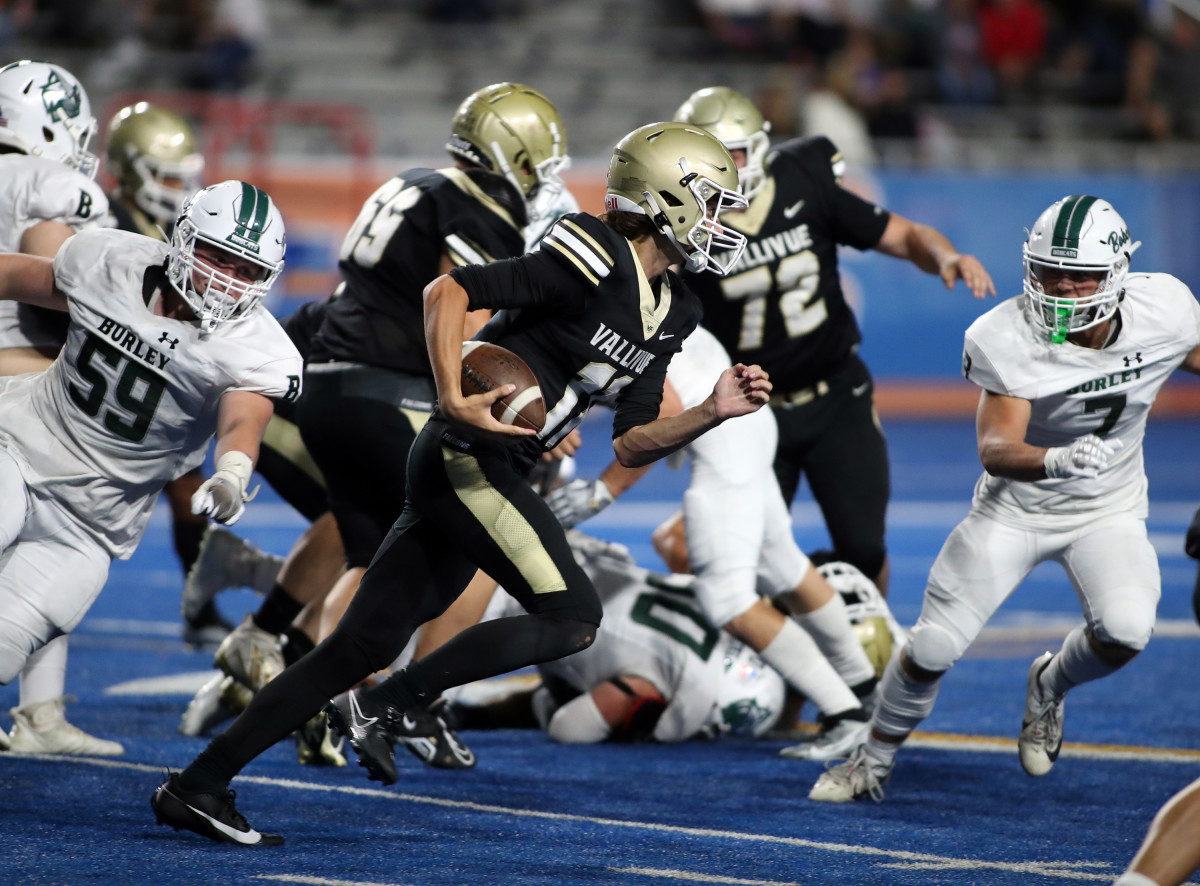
(368, 385)
(782, 306)
(596, 314)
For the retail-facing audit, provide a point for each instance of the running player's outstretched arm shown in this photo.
(740, 390)
(931, 251)
(30, 279)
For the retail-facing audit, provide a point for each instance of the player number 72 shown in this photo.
(796, 278)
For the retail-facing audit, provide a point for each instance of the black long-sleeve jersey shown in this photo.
(393, 250)
(582, 314)
(782, 305)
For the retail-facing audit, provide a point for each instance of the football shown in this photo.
(486, 366)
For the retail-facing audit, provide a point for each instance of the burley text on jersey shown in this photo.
(124, 338)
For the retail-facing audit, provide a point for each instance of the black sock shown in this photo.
(277, 610)
(187, 535)
(209, 773)
(297, 646)
(400, 691)
(865, 688)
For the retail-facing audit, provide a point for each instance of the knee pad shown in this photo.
(933, 648)
(1126, 623)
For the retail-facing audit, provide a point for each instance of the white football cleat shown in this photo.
(226, 561)
(250, 655)
(832, 742)
(42, 728)
(860, 776)
(218, 700)
(1042, 726)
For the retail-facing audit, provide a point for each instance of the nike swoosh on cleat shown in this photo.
(408, 723)
(359, 721)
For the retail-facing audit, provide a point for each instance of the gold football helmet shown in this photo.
(734, 119)
(683, 178)
(513, 130)
(869, 614)
(151, 152)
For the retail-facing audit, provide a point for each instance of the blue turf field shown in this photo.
(959, 809)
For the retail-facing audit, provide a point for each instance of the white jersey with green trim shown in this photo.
(654, 629)
(35, 190)
(1075, 391)
(131, 402)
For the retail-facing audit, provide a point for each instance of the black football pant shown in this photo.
(466, 509)
(836, 442)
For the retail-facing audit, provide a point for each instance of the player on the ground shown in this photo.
(166, 346)
(782, 306)
(595, 312)
(1069, 372)
(741, 549)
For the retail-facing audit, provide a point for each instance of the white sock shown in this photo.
(830, 627)
(903, 704)
(1075, 663)
(1129, 878)
(795, 655)
(44, 676)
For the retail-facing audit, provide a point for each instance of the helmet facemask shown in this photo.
(157, 193)
(685, 180)
(1078, 234)
(740, 126)
(214, 295)
(513, 130)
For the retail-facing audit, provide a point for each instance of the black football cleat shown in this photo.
(209, 815)
(425, 733)
(367, 726)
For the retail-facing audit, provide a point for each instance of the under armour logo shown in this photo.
(1137, 357)
(165, 338)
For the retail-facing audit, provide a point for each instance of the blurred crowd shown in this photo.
(886, 58)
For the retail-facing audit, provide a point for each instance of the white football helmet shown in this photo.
(740, 126)
(684, 179)
(879, 633)
(1077, 233)
(750, 696)
(241, 220)
(45, 112)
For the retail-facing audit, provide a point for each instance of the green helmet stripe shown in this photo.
(1070, 222)
(252, 216)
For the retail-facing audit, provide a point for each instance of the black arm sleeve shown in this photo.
(532, 280)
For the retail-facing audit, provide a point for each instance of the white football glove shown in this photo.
(574, 502)
(1085, 457)
(223, 495)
